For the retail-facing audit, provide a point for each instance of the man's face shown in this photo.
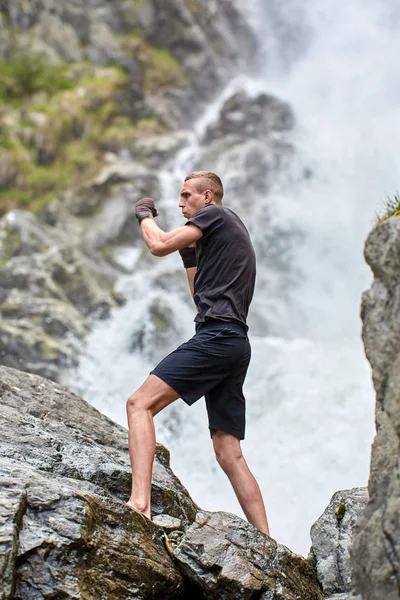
(190, 200)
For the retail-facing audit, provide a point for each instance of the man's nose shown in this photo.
(181, 203)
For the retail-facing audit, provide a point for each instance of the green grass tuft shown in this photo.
(26, 74)
(391, 208)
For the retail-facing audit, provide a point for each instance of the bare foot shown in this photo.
(129, 505)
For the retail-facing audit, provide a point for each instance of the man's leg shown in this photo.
(229, 455)
(142, 406)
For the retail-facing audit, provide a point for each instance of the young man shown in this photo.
(220, 264)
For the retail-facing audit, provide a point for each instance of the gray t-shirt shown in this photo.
(226, 266)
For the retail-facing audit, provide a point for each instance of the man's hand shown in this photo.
(145, 208)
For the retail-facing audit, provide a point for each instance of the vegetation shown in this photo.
(26, 74)
(391, 208)
(56, 121)
(163, 70)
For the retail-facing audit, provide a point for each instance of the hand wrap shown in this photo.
(188, 257)
(145, 208)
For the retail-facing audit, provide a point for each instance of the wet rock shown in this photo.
(229, 559)
(252, 134)
(331, 539)
(251, 117)
(375, 552)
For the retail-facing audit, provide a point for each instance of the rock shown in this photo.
(8, 170)
(64, 481)
(375, 552)
(63, 538)
(252, 134)
(230, 559)
(167, 522)
(48, 290)
(213, 32)
(250, 117)
(349, 596)
(331, 539)
(47, 427)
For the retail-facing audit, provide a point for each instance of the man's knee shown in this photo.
(135, 402)
(227, 449)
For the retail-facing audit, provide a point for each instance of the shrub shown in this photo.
(25, 74)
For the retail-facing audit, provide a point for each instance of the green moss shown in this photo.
(163, 70)
(7, 141)
(391, 208)
(194, 7)
(24, 74)
(340, 511)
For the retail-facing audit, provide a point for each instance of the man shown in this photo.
(220, 265)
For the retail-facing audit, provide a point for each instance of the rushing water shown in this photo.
(310, 398)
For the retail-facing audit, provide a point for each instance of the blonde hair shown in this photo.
(208, 180)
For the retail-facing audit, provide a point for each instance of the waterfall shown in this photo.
(309, 394)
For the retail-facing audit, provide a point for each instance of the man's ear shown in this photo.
(208, 196)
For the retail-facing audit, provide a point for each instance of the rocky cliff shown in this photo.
(375, 553)
(96, 98)
(65, 531)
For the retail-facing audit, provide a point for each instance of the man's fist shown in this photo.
(145, 208)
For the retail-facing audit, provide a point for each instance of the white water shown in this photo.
(310, 399)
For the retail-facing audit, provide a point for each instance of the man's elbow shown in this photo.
(158, 249)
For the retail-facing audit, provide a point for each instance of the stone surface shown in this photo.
(376, 549)
(230, 559)
(332, 536)
(63, 538)
(65, 530)
(49, 291)
(208, 48)
(65, 478)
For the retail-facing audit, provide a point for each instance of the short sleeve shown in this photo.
(208, 219)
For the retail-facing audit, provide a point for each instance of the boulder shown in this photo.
(48, 292)
(61, 537)
(376, 550)
(65, 478)
(332, 536)
(227, 558)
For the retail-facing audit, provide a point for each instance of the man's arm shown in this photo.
(161, 243)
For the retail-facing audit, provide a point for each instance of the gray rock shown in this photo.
(62, 537)
(167, 522)
(250, 117)
(376, 550)
(64, 479)
(346, 596)
(331, 539)
(230, 559)
(46, 427)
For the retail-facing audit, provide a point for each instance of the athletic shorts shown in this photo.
(213, 363)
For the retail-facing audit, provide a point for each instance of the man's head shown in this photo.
(200, 189)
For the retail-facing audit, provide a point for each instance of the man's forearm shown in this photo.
(152, 233)
(161, 243)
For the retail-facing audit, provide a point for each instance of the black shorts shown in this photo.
(213, 363)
